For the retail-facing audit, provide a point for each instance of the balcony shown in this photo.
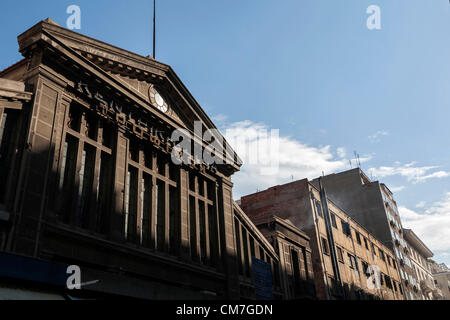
(427, 286)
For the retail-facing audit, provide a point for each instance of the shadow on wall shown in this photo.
(66, 210)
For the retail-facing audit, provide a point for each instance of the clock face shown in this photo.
(157, 100)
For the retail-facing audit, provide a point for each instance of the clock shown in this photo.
(157, 100)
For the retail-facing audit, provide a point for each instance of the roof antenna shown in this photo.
(357, 159)
(154, 29)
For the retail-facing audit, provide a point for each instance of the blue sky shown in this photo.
(309, 68)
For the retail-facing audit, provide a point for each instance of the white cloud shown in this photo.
(296, 159)
(376, 137)
(413, 173)
(431, 225)
(421, 204)
(397, 189)
(438, 174)
(220, 119)
(342, 153)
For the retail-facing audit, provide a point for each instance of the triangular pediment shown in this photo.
(136, 73)
(143, 81)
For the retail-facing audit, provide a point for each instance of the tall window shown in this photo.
(325, 247)
(237, 228)
(318, 209)
(246, 251)
(365, 267)
(340, 254)
(346, 228)
(352, 262)
(358, 237)
(67, 176)
(382, 255)
(333, 220)
(86, 171)
(204, 238)
(296, 272)
(9, 132)
(152, 202)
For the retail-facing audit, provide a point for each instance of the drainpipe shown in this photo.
(319, 244)
(329, 227)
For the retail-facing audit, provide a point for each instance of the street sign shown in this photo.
(262, 277)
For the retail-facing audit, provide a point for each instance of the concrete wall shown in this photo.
(443, 283)
(363, 202)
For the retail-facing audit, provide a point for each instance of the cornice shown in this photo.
(89, 53)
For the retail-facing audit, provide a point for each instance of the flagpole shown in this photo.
(154, 29)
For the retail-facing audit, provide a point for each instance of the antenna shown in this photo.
(154, 29)
(358, 162)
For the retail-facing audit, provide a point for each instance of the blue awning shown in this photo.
(29, 269)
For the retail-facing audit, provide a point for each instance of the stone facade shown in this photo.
(420, 254)
(372, 204)
(86, 145)
(293, 248)
(442, 284)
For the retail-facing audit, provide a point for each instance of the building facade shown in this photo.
(372, 205)
(88, 181)
(420, 254)
(293, 249)
(441, 277)
(349, 262)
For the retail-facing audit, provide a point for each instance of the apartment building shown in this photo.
(372, 205)
(349, 262)
(420, 254)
